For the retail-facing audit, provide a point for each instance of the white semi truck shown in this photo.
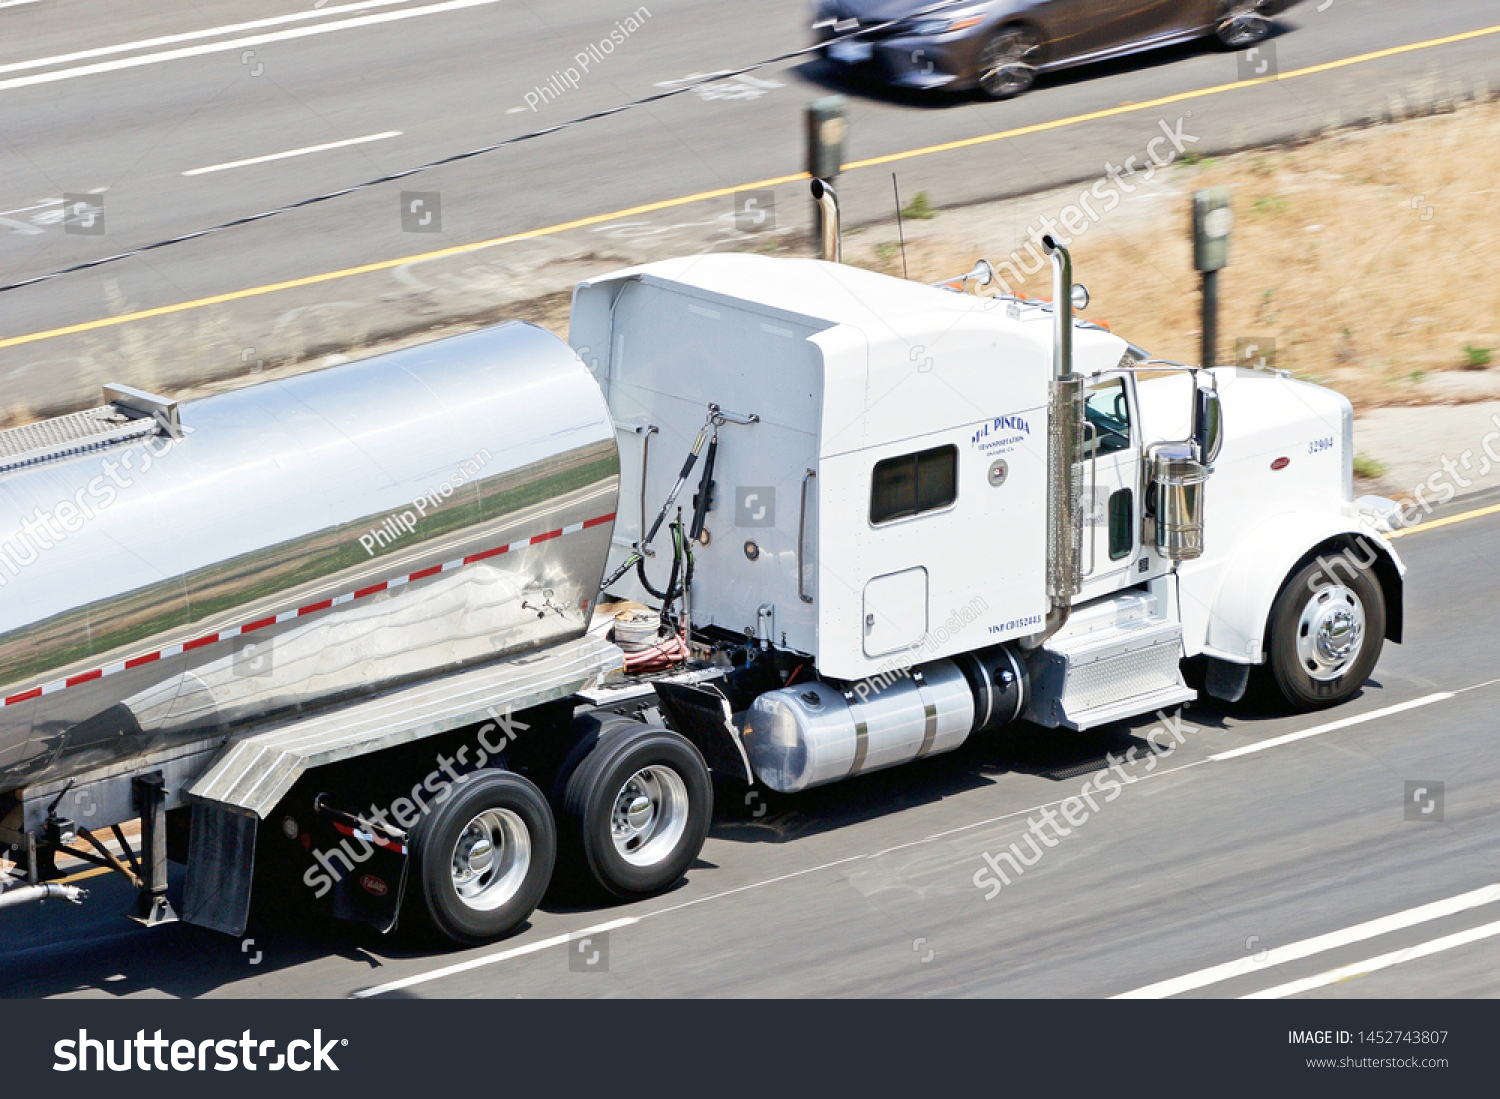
(342, 639)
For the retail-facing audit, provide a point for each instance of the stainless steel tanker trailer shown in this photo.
(340, 640)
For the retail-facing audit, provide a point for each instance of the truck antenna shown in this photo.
(900, 232)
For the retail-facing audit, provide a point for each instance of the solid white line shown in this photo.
(1316, 945)
(1384, 961)
(167, 40)
(489, 959)
(291, 152)
(239, 43)
(17, 3)
(1332, 726)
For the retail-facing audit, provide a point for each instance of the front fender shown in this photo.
(1232, 602)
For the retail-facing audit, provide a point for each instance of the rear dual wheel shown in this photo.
(482, 859)
(635, 810)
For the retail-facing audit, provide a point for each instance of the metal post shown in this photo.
(1213, 218)
(1210, 318)
(152, 907)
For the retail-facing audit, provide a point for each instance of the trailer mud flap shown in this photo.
(221, 866)
(703, 715)
(371, 892)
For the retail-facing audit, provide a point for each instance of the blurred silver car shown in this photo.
(999, 46)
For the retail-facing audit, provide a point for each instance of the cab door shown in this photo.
(1110, 472)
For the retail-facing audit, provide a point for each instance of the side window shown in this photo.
(914, 483)
(1121, 524)
(1108, 412)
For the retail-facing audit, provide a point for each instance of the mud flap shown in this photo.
(221, 866)
(371, 892)
(703, 715)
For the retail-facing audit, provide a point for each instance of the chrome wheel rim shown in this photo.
(649, 815)
(1241, 27)
(1008, 64)
(490, 859)
(1330, 632)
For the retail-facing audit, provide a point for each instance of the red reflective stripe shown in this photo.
(263, 623)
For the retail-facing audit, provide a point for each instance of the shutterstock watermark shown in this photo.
(43, 529)
(399, 524)
(1164, 739)
(85, 1054)
(565, 80)
(403, 813)
(1441, 486)
(1082, 214)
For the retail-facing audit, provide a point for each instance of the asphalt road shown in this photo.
(155, 108)
(1241, 864)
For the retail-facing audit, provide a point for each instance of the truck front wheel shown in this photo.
(637, 810)
(481, 859)
(1327, 628)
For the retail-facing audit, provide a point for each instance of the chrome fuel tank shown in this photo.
(320, 537)
(815, 733)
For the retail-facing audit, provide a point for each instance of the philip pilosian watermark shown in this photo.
(565, 80)
(399, 524)
(900, 665)
(1164, 739)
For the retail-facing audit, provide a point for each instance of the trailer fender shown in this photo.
(1238, 597)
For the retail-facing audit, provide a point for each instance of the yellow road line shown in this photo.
(1433, 524)
(1166, 100)
(82, 874)
(684, 200)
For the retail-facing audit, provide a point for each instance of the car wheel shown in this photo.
(1327, 628)
(483, 857)
(1007, 64)
(1242, 25)
(637, 810)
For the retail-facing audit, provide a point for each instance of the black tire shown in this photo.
(587, 730)
(645, 862)
(1241, 25)
(1008, 61)
(1322, 601)
(500, 897)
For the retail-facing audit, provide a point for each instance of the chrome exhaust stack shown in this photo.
(828, 208)
(1064, 453)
